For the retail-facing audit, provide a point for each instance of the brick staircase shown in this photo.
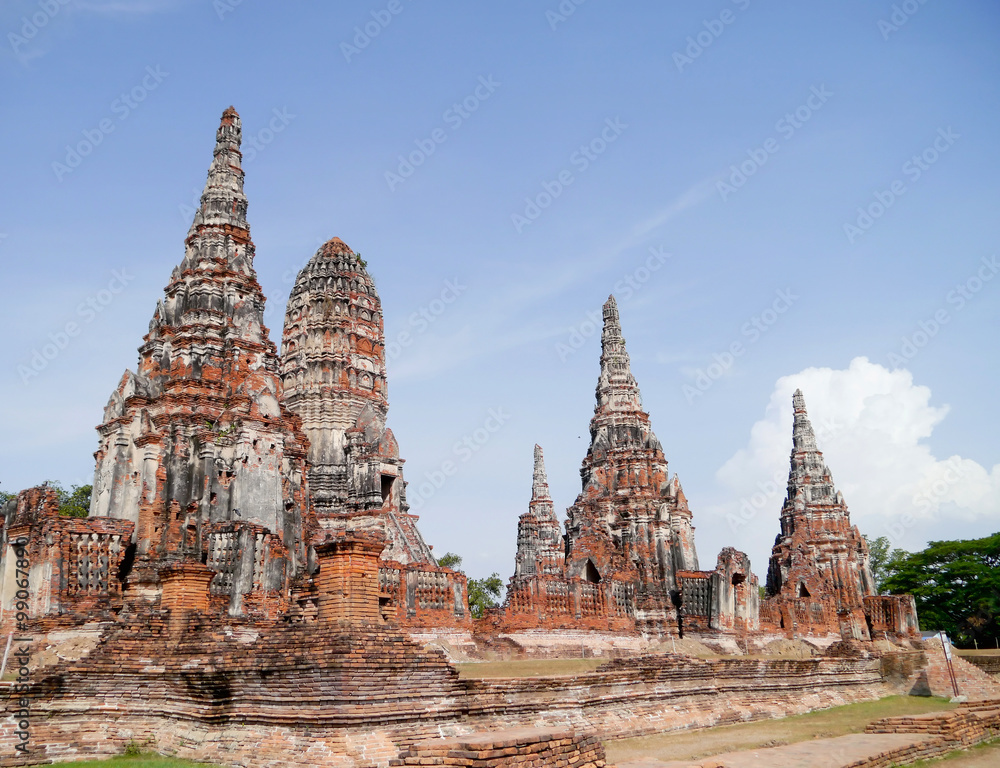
(972, 681)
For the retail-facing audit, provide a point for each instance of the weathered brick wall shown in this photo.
(424, 597)
(526, 748)
(72, 564)
(988, 664)
(892, 615)
(553, 602)
(947, 731)
(306, 693)
(185, 588)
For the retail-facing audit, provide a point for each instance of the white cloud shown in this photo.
(872, 425)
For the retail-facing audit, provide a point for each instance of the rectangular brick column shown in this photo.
(185, 589)
(347, 581)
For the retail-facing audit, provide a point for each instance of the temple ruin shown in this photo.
(627, 562)
(334, 378)
(209, 450)
(818, 578)
(251, 587)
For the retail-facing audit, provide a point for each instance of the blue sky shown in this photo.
(780, 195)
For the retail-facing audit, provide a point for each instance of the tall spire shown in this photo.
(818, 550)
(808, 472)
(540, 548)
(803, 437)
(223, 203)
(540, 481)
(617, 390)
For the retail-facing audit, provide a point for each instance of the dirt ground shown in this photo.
(839, 721)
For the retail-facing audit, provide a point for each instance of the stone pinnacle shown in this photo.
(223, 203)
(803, 437)
(540, 482)
(617, 389)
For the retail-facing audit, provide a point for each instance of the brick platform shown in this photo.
(321, 693)
(524, 748)
(890, 742)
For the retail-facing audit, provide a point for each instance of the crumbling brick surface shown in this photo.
(524, 748)
(627, 562)
(334, 375)
(198, 434)
(819, 580)
(316, 693)
(72, 565)
(964, 727)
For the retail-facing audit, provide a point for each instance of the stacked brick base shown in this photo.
(947, 731)
(356, 696)
(526, 748)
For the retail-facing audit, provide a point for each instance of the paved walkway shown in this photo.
(818, 753)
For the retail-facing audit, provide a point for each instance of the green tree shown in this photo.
(72, 503)
(880, 558)
(956, 585)
(76, 502)
(450, 560)
(484, 593)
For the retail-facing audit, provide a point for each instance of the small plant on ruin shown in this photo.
(136, 748)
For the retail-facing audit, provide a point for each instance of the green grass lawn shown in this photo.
(825, 723)
(141, 761)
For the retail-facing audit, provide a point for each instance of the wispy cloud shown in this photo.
(130, 7)
(690, 198)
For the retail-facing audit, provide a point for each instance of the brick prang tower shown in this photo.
(540, 544)
(334, 373)
(818, 551)
(631, 522)
(197, 438)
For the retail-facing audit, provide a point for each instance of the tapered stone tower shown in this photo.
(818, 551)
(195, 447)
(333, 369)
(540, 548)
(632, 521)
